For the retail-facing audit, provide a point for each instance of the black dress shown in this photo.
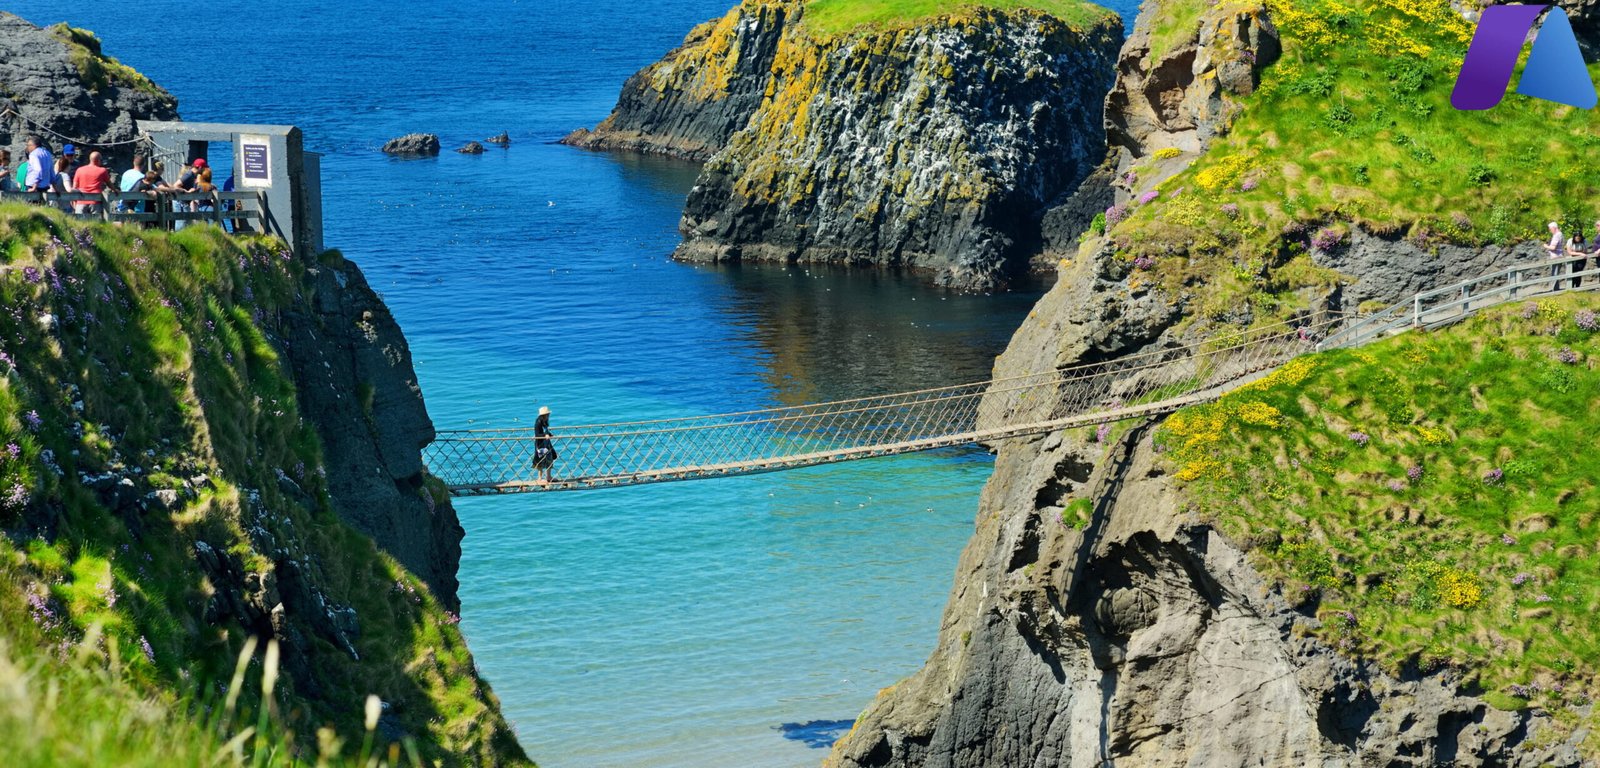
(544, 450)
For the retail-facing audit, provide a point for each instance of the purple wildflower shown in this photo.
(1493, 476)
(1507, 539)
(1248, 55)
(1586, 320)
(1566, 355)
(1360, 438)
(1520, 579)
(31, 276)
(1231, 210)
(17, 497)
(1129, 178)
(1326, 239)
(1144, 263)
(1519, 691)
(1528, 310)
(1542, 598)
(1116, 214)
(14, 451)
(149, 653)
(32, 421)
(1414, 472)
(1248, 185)
(1396, 486)
(5, 358)
(1102, 432)
(1149, 196)
(1349, 618)
(451, 618)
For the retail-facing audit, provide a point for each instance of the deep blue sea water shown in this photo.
(717, 623)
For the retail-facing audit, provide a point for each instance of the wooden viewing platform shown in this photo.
(246, 210)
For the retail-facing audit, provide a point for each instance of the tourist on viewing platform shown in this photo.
(130, 181)
(1554, 248)
(6, 185)
(544, 450)
(203, 184)
(233, 225)
(41, 167)
(92, 178)
(21, 179)
(1577, 250)
(61, 182)
(187, 183)
(70, 154)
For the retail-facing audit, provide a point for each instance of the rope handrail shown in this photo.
(89, 143)
(1060, 374)
(476, 462)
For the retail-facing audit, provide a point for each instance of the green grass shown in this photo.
(97, 69)
(1353, 129)
(160, 355)
(840, 16)
(1486, 560)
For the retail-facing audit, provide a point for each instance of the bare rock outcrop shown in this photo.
(356, 383)
(688, 104)
(57, 80)
(932, 145)
(413, 144)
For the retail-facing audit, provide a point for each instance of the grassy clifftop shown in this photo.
(1351, 128)
(831, 17)
(162, 502)
(96, 68)
(1432, 498)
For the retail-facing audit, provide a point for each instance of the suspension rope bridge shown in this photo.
(498, 461)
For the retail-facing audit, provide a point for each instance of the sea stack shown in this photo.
(932, 143)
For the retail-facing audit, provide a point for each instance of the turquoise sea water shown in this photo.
(673, 625)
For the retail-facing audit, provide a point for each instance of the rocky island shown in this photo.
(841, 133)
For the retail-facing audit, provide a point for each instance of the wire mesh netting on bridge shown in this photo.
(631, 453)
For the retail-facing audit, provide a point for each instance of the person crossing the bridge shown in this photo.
(544, 449)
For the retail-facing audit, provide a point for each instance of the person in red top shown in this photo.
(91, 178)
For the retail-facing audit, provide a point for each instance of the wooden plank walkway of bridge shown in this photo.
(500, 461)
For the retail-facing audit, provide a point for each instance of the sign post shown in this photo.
(255, 155)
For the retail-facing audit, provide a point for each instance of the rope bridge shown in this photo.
(496, 461)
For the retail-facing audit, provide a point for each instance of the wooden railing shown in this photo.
(246, 211)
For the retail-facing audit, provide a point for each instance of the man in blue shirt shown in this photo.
(131, 179)
(41, 166)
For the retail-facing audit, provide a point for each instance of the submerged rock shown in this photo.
(413, 144)
(504, 139)
(471, 148)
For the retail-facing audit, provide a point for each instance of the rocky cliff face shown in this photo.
(688, 104)
(1172, 93)
(1140, 636)
(353, 370)
(58, 79)
(932, 146)
(1146, 639)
